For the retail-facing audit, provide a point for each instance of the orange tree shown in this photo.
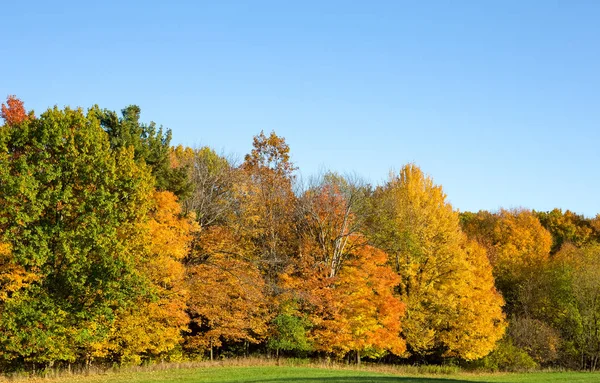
(154, 324)
(340, 284)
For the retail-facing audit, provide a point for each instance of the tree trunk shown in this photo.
(358, 357)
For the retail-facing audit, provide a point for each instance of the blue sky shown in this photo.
(499, 101)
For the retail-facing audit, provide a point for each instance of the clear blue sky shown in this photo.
(499, 101)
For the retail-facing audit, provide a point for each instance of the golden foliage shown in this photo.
(519, 241)
(155, 324)
(13, 276)
(446, 282)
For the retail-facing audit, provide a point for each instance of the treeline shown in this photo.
(547, 267)
(116, 247)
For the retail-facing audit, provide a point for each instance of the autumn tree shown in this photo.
(519, 240)
(267, 202)
(353, 311)
(344, 286)
(566, 227)
(68, 208)
(518, 247)
(370, 311)
(212, 198)
(327, 214)
(13, 112)
(154, 324)
(246, 219)
(227, 301)
(452, 307)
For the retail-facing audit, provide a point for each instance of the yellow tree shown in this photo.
(519, 240)
(154, 325)
(518, 247)
(475, 318)
(521, 249)
(446, 282)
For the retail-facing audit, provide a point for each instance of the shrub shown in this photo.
(507, 357)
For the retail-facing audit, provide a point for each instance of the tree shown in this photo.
(68, 207)
(289, 330)
(227, 300)
(446, 282)
(212, 177)
(519, 240)
(247, 218)
(353, 311)
(344, 285)
(13, 112)
(369, 308)
(150, 144)
(154, 324)
(267, 202)
(476, 320)
(327, 215)
(566, 227)
(580, 321)
(518, 247)
(537, 338)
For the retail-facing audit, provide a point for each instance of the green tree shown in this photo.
(150, 144)
(581, 322)
(68, 208)
(289, 332)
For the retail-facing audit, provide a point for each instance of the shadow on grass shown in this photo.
(358, 379)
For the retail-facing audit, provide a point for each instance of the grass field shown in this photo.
(285, 374)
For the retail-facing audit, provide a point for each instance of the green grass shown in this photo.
(286, 374)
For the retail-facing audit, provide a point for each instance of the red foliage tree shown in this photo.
(13, 112)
